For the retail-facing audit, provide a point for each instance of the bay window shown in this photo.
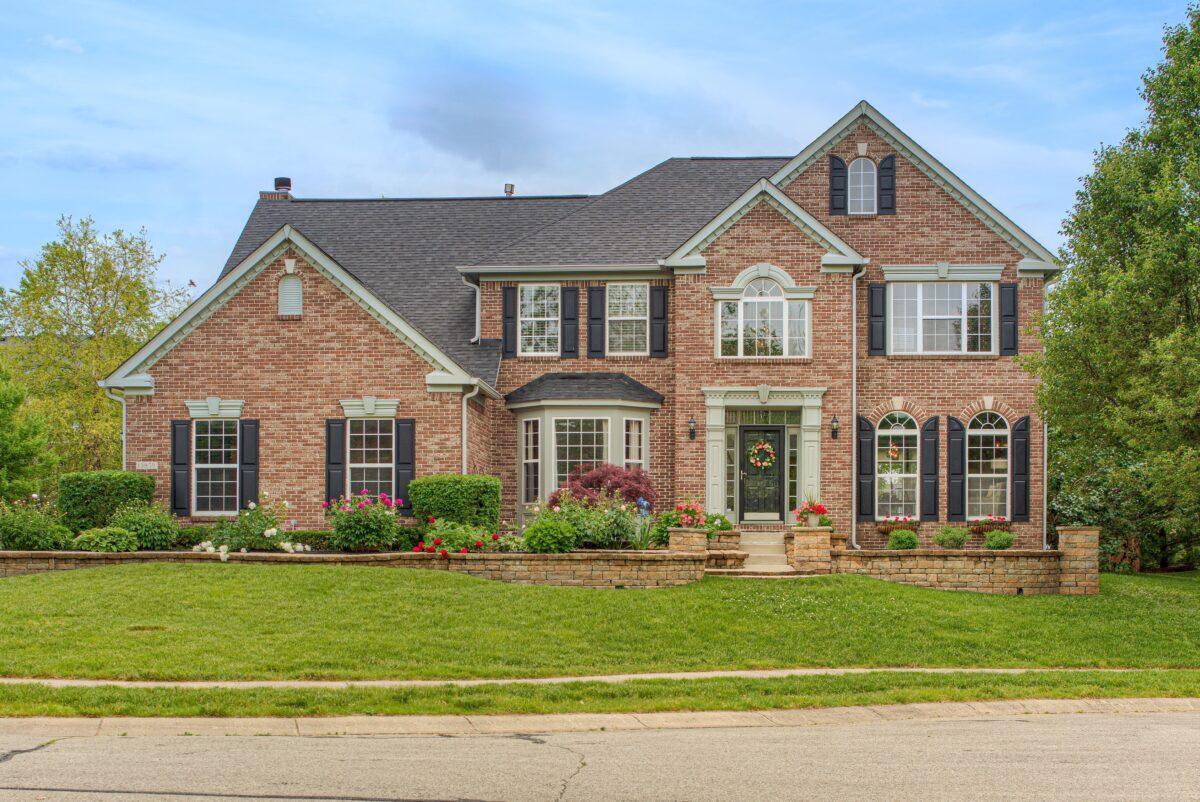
(579, 444)
(635, 455)
(941, 317)
(531, 448)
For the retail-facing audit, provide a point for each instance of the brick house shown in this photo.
(855, 310)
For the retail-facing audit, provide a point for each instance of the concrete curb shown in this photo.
(766, 673)
(582, 722)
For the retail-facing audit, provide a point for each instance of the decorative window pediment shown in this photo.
(214, 407)
(370, 407)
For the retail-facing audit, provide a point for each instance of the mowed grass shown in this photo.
(215, 621)
(640, 696)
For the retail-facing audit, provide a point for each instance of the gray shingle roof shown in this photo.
(583, 387)
(406, 251)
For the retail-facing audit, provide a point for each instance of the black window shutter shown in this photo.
(866, 470)
(887, 185)
(595, 317)
(929, 470)
(181, 466)
(508, 302)
(569, 346)
(335, 458)
(1008, 319)
(837, 185)
(1020, 470)
(658, 321)
(247, 463)
(876, 319)
(406, 461)
(956, 467)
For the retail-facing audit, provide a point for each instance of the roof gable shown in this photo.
(1038, 257)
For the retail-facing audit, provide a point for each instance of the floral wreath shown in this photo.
(761, 455)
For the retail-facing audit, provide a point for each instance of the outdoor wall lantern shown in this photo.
(692, 428)
(833, 427)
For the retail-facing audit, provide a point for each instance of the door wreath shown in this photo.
(761, 455)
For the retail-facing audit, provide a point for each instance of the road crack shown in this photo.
(7, 756)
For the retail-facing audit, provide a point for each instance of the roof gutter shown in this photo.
(508, 270)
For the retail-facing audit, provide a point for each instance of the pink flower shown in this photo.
(363, 492)
(324, 505)
(362, 504)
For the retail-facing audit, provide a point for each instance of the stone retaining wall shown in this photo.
(597, 569)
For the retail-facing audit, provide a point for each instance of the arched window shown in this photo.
(896, 466)
(291, 296)
(862, 187)
(764, 323)
(987, 466)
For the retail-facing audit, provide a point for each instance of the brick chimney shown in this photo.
(283, 190)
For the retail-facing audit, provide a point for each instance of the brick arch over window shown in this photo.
(988, 404)
(898, 404)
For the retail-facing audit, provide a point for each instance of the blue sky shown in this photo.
(173, 116)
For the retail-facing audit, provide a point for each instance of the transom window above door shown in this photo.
(941, 317)
(764, 322)
(538, 324)
(628, 319)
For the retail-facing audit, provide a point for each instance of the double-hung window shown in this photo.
(987, 466)
(371, 455)
(941, 317)
(764, 323)
(538, 320)
(628, 319)
(896, 466)
(580, 444)
(215, 468)
(531, 452)
(635, 453)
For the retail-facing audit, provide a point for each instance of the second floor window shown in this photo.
(862, 187)
(537, 319)
(628, 319)
(764, 323)
(941, 317)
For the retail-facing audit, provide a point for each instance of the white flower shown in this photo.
(34, 496)
(265, 494)
(286, 506)
(270, 533)
(243, 551)
(224, 549)
(307, 547)
(251, 505)
(224, 556)
(209, 548)
(286, 546)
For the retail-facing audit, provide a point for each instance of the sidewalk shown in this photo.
(581, 722)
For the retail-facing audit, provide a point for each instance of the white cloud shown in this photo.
(63, 43)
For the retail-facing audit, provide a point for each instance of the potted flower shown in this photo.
(992, 523)
(891, 523)
(812, 508)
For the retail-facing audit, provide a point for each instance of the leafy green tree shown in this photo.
(1121, 369)
(82, 307)
(24, 460)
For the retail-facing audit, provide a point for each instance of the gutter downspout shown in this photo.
(478, 327)
(853, 422)
(466, 400)
(120, 399)
(1045, 489)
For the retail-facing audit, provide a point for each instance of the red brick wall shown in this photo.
(291, 375)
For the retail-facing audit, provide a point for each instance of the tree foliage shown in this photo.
(24, 460)
(1120, 376)
(83, 305)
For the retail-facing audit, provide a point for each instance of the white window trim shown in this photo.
(237, 474)
(916, 435)
(741, 344)
(350, 466)
(524, 457)
(1007, 432)
(369, 407)
(642, 444)
(874, 195)
(213, 407)
(557, 352)
(608, 318)
(921, 317)
(608, 447)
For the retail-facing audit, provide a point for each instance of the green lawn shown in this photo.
(596, 697)
(215, 621)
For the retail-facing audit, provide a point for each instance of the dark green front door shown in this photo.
(762, 496)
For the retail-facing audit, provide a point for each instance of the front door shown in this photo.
(761, 466)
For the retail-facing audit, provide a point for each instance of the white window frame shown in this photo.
(531, 426)
(609, 317)
(641, 444)
(873, 196)
(921, 317)
(915, 475)
(972, 430)
(607, 440)
(197, 465)
(806, 305)
(351, 490)
(557, 352)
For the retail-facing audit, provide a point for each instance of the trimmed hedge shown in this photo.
(87, 499)
(464, 499)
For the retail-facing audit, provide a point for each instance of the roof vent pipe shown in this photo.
(283, 184)
(509, 189)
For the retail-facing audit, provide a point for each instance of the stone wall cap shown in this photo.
(946, 552)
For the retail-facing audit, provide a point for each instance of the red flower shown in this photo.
(479, 544)
(437, 541)
(678, 508)
(420, 544)
(495, 536)
(418, 548)
(445, 553)
(429, 549)
(432, 519)
(463, 550)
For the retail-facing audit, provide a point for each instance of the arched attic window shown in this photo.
(291, 296)
(862, 187)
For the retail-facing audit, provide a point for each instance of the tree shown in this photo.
(82, 307)
(1120, 376)
(24, 460)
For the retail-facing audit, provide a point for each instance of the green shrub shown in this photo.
(952, 537)
(87, 499)
(194, 535)
(313, 538)
(255, 528)
(24, 527)
(363, 523)
(154, 527)
(902, 539)
(997, 539)
(455, 537)
(549, 536)
(464, 499)
(825, 520)
(109, 538)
